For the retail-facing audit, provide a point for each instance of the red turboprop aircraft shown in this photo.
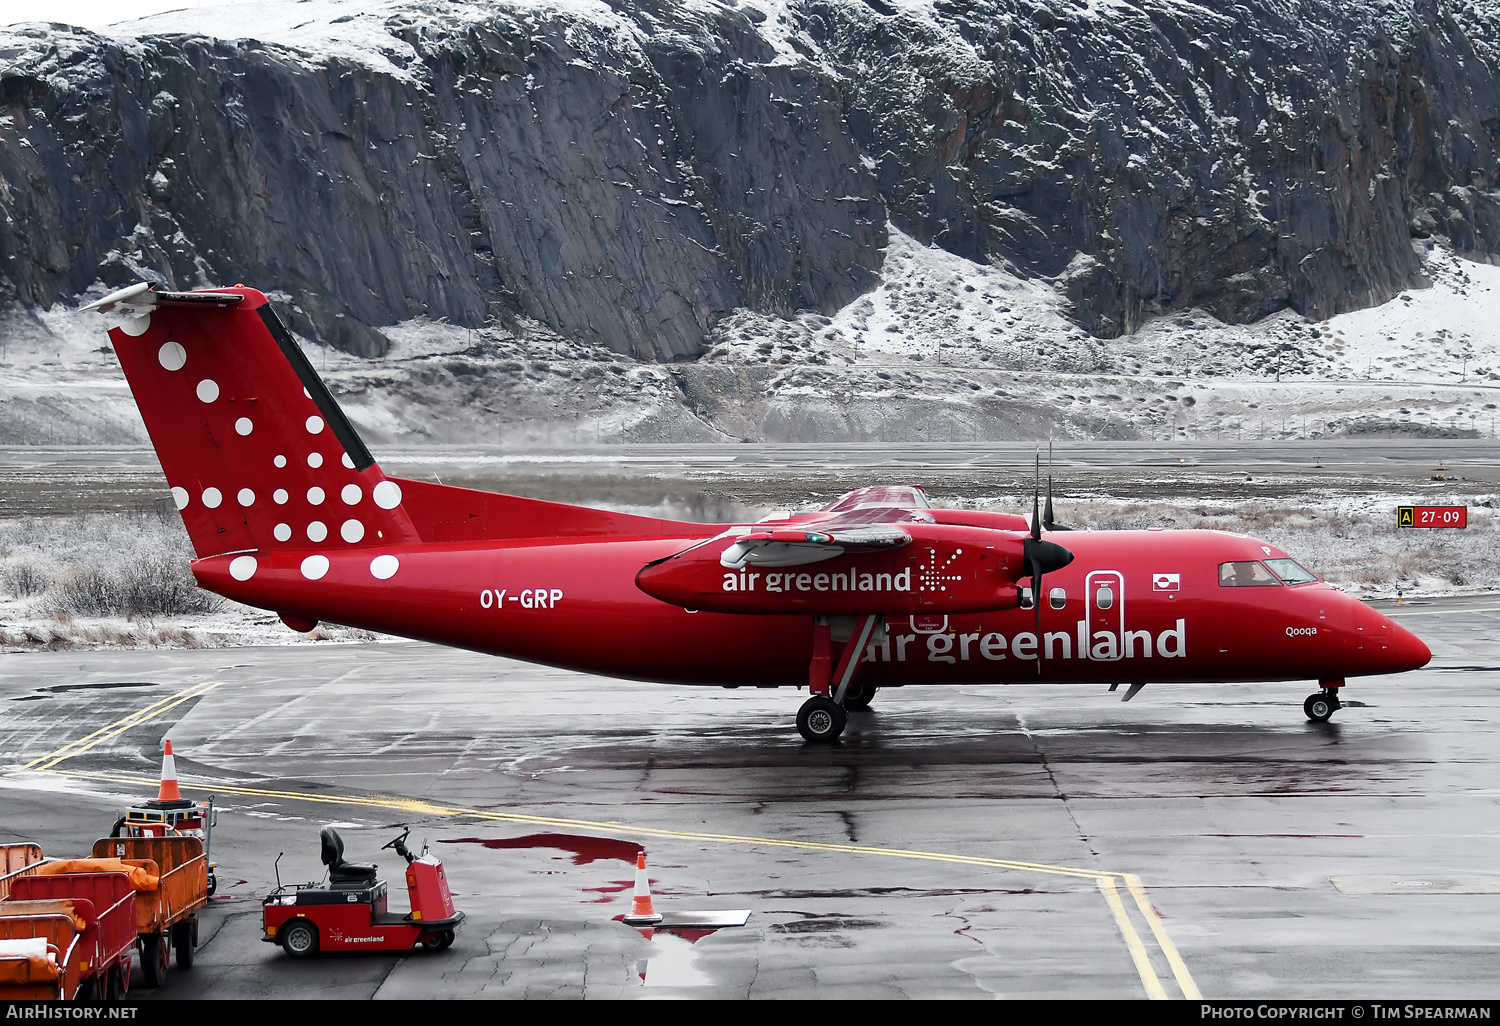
(287, 510)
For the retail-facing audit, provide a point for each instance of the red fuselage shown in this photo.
(577, 605)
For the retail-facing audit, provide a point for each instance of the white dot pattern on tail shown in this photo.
(242, 568)
(387, 495)
(246, 497)
(172, 356)
(208, 390)
(351, 494)
(283, 532)
(317, 531)
(383, 568)
(352, 531)
(314, 425)
(212, 497)
(315, 495)
(314, 567)
(243, 426)
(180, 497)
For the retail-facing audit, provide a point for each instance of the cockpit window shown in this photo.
(1291, 571)
(1246, 574)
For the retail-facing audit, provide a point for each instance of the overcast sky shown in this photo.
(94, 13)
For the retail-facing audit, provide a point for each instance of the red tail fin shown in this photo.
(257, 453)
(260, 457)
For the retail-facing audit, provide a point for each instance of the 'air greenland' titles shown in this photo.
(843, 580)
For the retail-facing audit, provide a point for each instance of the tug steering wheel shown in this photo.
(399, 844)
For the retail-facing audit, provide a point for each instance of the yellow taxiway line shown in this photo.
(1108, 883)
(1441, 612)
(112, 730)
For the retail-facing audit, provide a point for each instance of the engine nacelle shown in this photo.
(945, 569)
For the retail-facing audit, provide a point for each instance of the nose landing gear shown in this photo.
(1319, 707)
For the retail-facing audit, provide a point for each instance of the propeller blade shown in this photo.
(1036, 520)
(1047, 517)
(1048, 521)
(1042, 557)
(1036, 606)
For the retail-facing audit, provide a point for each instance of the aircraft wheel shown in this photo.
(299, 939)
(820, 719)
(1320, 707)
(859, 701)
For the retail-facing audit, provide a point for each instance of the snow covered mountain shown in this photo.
(629, 174)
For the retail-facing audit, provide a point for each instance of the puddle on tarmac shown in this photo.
(583, 849)
(674, 962)
(60, 688)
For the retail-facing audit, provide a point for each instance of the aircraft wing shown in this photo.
(815, 539)
(875, 496)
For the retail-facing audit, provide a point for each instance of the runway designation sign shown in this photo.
(1432, 516)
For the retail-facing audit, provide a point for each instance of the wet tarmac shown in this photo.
(959, 842)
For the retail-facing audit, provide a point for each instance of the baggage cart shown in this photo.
(167, 916)
(67, 936)
(17, 860)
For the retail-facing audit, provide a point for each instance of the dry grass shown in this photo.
(100, 565)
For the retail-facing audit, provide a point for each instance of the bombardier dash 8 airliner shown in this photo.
(287, 510)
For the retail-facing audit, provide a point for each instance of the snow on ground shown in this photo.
(1426, 362)
(941, 349)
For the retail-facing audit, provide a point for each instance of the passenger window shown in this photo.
(1026, 600)
(1291, 571)
(1104, 598)
(1247, 573)
(1057, 597)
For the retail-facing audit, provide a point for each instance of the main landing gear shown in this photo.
(1319, 707)
(821, 719)
(823, 716)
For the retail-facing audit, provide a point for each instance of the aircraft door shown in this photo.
(1104, 614)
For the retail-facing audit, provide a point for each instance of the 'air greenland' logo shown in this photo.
(844, 580)
(957, 646)
(932, 575)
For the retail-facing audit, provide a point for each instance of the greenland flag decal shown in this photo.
(1166, 582)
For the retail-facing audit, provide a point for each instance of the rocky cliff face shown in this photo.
(1156, 155)
(629, 174)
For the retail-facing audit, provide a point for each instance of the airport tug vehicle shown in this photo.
(169, 814)
(350, 914)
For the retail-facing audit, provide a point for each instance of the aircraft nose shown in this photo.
(1400, 650)
(1406, 651)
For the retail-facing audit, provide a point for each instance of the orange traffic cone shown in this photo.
(641, 913)
(168, 791)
